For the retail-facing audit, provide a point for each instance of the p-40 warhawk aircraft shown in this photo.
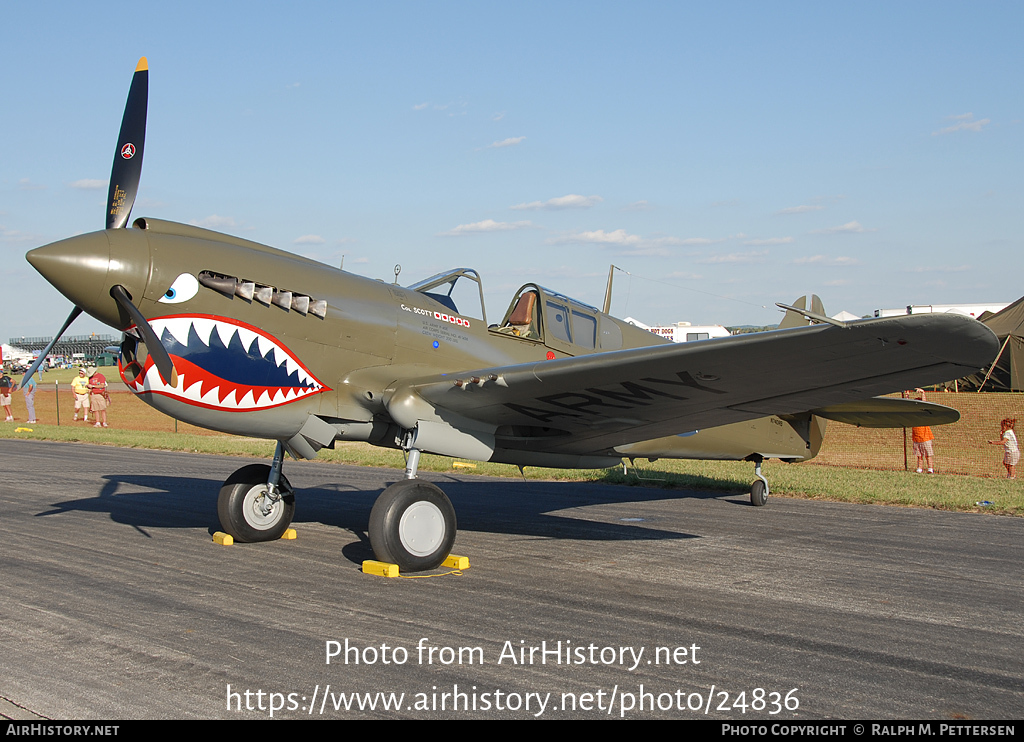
(238, 337)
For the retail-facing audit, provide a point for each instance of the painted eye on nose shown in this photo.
(184, 288)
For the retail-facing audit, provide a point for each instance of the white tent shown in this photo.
(10, 353)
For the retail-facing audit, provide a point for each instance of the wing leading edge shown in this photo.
(589, 404)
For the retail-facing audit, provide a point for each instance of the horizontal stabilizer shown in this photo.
(888, 412)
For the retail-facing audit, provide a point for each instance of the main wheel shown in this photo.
(413, 525)
(245, 511)
(758, 493)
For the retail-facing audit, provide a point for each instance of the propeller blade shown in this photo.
(127, 169)
(156, 349)
(46, 351)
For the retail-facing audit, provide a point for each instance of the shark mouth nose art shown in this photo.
(223, 364)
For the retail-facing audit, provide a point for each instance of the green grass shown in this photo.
(65, 375)
(807, 480)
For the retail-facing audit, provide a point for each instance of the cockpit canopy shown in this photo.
(537, 314)
(559, 322)
(442, 289)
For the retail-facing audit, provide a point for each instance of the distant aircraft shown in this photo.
(238, 337)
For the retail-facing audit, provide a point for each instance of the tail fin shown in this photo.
(793, 319)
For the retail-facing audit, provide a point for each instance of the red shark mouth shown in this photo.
(224, 364)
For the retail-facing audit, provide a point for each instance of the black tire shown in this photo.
(758, 493)
(237, 506)
(413, 525)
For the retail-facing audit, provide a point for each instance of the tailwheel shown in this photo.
(250, 510)
(413, 525)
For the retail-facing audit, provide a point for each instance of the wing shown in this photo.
(588, 404)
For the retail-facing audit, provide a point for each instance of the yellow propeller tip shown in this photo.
(142, 65)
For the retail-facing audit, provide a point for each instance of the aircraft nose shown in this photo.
(84, 268)
(75, 266)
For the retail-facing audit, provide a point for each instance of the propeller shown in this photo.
(127, 169)
(124, 185)
(161, 359)
(46, 351)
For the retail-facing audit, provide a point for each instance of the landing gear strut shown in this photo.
(759, 489)
(256, 502)
(412, 523)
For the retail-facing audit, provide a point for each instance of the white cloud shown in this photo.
(487, 225)
(770, 241)
(638, 206)
(498, 116)
(13, 235)
(848, 228)
(215, 222)
(823, 260)
(510, 142)
(754, 256)
(622, 238)
(618, 237)
(572, 201)
(837, 282)
(643, 251)
(802, 209)
(420, 106)
(89, 184)
(310, 239)
(687, 241)
(27, 185)
(940, 269)
(634, 244)
(965, 122)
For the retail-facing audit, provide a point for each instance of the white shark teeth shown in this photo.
(246, 336)
(188, 390)
(177, 326)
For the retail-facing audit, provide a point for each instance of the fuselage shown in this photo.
(263, 339)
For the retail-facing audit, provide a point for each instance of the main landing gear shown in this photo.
(256, 502)
(759, 489)
(412, 523)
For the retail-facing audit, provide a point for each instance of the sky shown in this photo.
(725, 156)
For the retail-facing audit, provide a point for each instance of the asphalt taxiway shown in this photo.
(118, 605)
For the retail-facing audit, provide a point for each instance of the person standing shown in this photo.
(6, 385)
(1011, 452)
(80, 388)
(30, 398)
(922, 438)
(98, 394)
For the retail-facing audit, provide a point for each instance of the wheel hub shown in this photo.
(421, 528)
(261, 511)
